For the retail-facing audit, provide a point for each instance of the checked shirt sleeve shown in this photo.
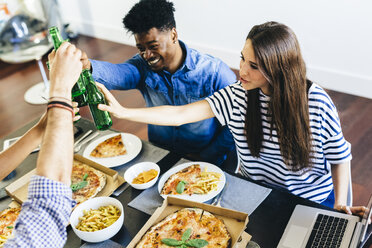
(44, 216)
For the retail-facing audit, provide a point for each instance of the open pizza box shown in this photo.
(18, 190)
(235, 221)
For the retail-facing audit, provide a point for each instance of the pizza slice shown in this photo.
(86, 181)
(111, 147)
(7, 222)
(184, 228)
(182, 182)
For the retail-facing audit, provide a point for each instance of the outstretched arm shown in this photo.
(17, 152)
(55, 158)
(162, 115)
(45, 214)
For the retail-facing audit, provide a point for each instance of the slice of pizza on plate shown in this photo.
(110, 147)
(86, 182)
(182, 181)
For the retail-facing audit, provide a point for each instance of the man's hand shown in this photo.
(76, 111)
(85, 61)
(112, 104)
(64, 71)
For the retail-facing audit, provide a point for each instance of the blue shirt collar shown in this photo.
(189, 62)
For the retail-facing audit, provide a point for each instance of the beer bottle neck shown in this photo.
(56, 37)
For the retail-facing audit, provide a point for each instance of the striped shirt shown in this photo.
(229, 106)
(44, 216)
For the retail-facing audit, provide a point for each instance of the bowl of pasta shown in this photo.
(142, 175)
(97, 219)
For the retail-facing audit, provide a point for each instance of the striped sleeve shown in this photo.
(335, 148)
(221, 103)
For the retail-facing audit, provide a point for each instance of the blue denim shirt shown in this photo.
(199, 76)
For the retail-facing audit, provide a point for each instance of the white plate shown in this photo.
(131, 142)
(194, 197)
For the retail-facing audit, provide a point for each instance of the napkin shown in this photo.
(240, 195)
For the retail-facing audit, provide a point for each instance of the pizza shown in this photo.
(186, 225)
(86, 181)
(189, 176)
(7, 221)
(111, 147)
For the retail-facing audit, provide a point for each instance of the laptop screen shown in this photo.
(366, 217)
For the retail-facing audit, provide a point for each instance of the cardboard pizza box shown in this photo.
(235, 221)
(18, 190)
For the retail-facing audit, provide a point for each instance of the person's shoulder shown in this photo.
(140, 64)
(202, 58)
(319, 97)
(235, 89)
(136, 60)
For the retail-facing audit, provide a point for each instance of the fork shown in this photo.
(78, 147)
(217, 200)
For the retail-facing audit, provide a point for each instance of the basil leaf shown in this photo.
(79, 185)
(181, 187)
(197, 243)
(9, 227)
(171, 242)
(85, 176)
(187, 234)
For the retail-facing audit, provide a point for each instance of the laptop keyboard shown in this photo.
(327, 232)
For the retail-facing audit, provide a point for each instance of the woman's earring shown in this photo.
(174, 42)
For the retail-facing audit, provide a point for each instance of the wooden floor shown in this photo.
(355, 112)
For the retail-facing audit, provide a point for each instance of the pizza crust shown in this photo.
(96, 181)
(209, 228)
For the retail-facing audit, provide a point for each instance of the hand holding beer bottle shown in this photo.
(102, 119)
(85, 90)
(78, 91)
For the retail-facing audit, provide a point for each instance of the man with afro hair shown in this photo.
(167, 72)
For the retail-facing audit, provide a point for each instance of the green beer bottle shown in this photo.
(82, 98)
(78, 90)
(102, 119)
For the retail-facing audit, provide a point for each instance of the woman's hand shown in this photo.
(113, 106)
(357, 210)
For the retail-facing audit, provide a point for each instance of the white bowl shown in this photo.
(136, 169)
(95, 203)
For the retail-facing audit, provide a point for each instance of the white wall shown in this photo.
(335, 35)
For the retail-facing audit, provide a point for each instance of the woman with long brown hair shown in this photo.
(286, 128)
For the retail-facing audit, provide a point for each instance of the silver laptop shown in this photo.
(313, 227)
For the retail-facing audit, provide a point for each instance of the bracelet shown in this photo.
(62, 103)
(55, 105)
